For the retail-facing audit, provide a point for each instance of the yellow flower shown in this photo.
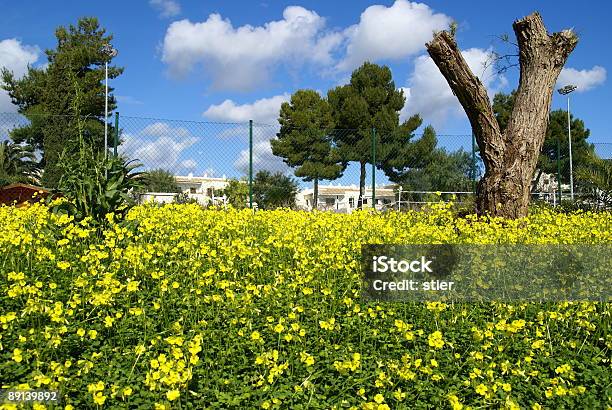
(81, 332)
(63, 265)
(482, 389)
(379, 398)
(563, 369)
(454, 401)
(327, 324)
(127, 392)
(173, 395)
(307, 359)
(435, 340)
(136, 311)
(92, 334)
(99, 398)
(132, 286)
(256, 336)
(17, 355)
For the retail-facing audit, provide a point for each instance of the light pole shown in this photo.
(111, 53)
(566, 91)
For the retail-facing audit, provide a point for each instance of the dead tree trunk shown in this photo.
(510, 157)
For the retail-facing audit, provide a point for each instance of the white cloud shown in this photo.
(16, 57)
(159, 145)
(263, 159)
(189, 164)
(241, 58)
(128, 99)
(394, 32)
(166, 8)
(584, 79)
(264, 110)
(429, 94)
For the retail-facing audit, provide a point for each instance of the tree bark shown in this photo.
(510, 157)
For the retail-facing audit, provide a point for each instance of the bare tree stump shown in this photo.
(510, 157)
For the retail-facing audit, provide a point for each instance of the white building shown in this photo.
(344, 198)
(206, 190)
(547, 188)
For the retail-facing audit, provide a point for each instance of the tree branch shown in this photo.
(471, 94)
(541, 58)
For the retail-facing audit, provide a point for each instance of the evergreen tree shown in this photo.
(446, 171)
(371, 101)
(399, 153)
(274, 190)
(304, 140)
(160, 180)
(46, 95)
(237, 193)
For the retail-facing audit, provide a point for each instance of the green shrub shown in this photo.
(95, 185)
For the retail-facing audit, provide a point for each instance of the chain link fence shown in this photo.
(221, 163)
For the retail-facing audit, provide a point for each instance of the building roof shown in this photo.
(19, 193)
(197, 180)
(342, 190)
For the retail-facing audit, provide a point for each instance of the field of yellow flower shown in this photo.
(181, 307)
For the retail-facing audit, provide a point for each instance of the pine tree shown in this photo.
(304, 140)
(371, 101)
(46, 95)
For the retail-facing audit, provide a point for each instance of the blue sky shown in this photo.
(229, 61)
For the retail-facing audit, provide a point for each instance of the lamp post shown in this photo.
(111, 53)
(566, 91)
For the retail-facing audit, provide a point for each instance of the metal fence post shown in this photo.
(251, 164)
(473, 164)
(116, 133)
(559, 167)
(373, 167)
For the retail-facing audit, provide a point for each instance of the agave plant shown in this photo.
(96, 186)
(17, 163)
